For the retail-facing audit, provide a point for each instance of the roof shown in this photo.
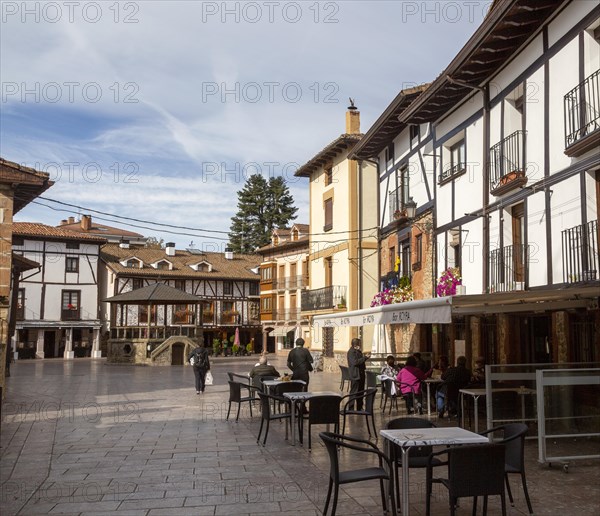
(27, 182)
(338, 145)
(284, 245)
(240, 267)
(22, 264)
(387, 126)
(154, 294)
(508, 25)
(39, 230)
(99, 229)
(303, 228)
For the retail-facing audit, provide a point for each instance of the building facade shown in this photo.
(283, 278)
(404, 157)
(57, 312)
(343, 248)
(517, 206)
(226, 285)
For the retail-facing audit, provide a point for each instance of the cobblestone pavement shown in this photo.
(85, 437)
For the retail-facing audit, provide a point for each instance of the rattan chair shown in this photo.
(235, 396)
(268, 415)
(322, 410)
(368, 397)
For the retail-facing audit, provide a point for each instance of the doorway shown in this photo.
(49, 344)
(177, 354)
(536, 339)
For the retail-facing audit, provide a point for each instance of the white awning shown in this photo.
(423, 311)
(281, 331)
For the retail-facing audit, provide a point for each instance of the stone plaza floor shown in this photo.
(85, 437)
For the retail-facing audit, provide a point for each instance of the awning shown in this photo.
(424, 311)
(281, 331)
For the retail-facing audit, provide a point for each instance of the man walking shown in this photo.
(300, 362)
(357, 368)
(198, 358)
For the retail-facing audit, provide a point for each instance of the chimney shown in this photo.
(170, 249)
(86, 222)
(71, 220)
(63, 222)
(352, 119)
(124, 244)
(228, 253)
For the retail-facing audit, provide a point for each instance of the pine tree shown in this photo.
(262, 206)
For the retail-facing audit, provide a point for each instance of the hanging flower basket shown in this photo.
(448, 282)
(398, 294)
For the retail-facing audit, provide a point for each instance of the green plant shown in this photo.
(249, 347)
(235, 349)
(216, 347)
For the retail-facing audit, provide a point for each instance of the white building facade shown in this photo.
(57, 304)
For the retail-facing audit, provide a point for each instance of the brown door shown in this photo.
(518, 231)
(49, 344)
(177, 354)
(328, 271)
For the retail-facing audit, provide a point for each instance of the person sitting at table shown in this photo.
(455, 379)
(478, 377)
(438, 371)
(263, 369)
(410, 378)
(390, 369)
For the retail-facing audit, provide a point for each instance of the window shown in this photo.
(328, 176)
(389, 154)
(457, 155)
(266, 273)
(143, 314)
(328, 262)
(228, 288)
(253, 289)
(180, 284)
(294, 234)
(404, 186)
(454, 255)
(20, 304)
(415, 132)
(132, 263)
(405, 260)
(183, 314)
(203, 267)
(328, 215)
(163, 266)
(418, 253)
(72, 264)
(265, 304)
(392, 260)
(72, 245)
(137, 283)
(70, 304)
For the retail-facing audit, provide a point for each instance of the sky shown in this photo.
(160, 110)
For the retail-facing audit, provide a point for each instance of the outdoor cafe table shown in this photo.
(428, 383)
(270, 384)
(301, 398)
(477, 393)
(440, 436)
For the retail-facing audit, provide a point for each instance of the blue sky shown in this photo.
(159, 110)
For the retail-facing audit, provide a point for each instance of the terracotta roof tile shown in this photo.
(39, 230)
(98, 229)
(237, 268)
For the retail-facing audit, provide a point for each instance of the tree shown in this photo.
(262, 206)
(155, 243)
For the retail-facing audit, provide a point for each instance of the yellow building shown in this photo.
(343, 249)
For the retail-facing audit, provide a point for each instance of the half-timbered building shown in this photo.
(225, 285)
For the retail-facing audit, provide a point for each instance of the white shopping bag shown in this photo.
(209, 379)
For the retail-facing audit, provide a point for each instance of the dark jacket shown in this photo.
(202, 354)
(263, 370)
(458, 377)
(356, 363)
(300, 360)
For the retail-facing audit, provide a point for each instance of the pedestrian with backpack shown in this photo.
(200, 363)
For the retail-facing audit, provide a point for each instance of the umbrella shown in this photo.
(236, 340)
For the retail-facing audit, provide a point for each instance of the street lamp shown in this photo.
(411, 208)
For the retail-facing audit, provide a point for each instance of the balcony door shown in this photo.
(328, 271)
(518, 233)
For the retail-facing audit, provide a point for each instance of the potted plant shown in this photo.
(216, 345)
(448, 281)
(342, 303)
(236, 349)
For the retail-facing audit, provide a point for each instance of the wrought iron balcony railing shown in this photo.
(70, 314)
(455, 170)
(582, 110)
(323, 298)
(508, 268)
(580, 253)
(507, 164)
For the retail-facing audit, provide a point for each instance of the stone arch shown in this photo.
(163, 354)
